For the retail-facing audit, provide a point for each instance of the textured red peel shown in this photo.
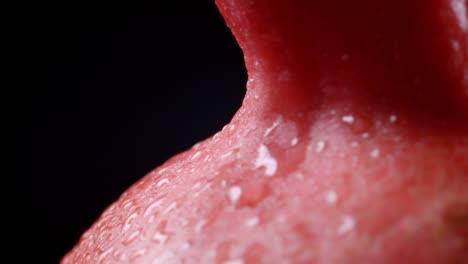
(351, 147)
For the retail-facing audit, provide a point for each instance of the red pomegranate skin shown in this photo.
(351, 146)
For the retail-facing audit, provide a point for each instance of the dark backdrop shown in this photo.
(127, 87)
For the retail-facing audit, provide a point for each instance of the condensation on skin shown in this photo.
(162, 182)
(160, 172)
(321, 145)
(275, 124)
(375, 153)
(459, 8)
(232, 154)
(265, 160)
(160, 237)
(196, 186)
(129, 222)
(331, 197)
(196, 145)
(253, 221)
(348, 119)
(132, 237)
(136, 254)
(186, 245)
(196, 155)
(298, 175)
(294, 141)
(171, 207)
(202, 190)
(128, 204)
(347, 225)
(103, 257)
(152, 208)
(234, 194)
(207, 158)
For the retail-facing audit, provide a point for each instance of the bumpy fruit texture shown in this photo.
(351, 146)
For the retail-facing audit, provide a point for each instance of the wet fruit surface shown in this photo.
(351, 147)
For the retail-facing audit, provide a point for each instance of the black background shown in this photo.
(127, 86)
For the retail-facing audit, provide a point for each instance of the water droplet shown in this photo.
(159, 237)
(196, 155)
(105, 256)
(120, 255)
(331, 197)
(162, 171)
(365, 135)
(234, 193)
(202, 190)
(151, 210)
(294, 141)
(232, 153)
(130, 221)
(393, 118)
(253, 221)
(354, 144)
(348, 119)
(137, 254)
(299, 176)
(273, 126)
(320, 146)
(162, 182)
(347, 225)
(171, 207)
(358, 123)
(375, 153)
(131, 237)
(265, 159)
(196, 185)
(459, 8)
(128, 204)
(186, 245)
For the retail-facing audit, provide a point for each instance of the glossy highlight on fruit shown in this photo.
(351, 146)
